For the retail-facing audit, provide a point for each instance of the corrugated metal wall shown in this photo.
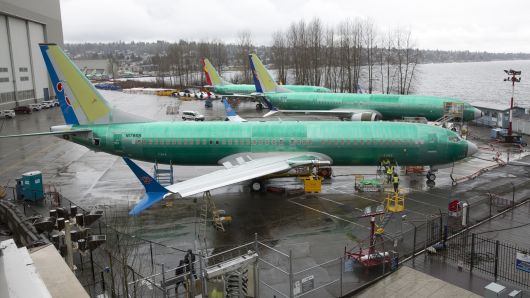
(23, 74)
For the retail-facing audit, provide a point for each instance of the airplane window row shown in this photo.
(278, 142)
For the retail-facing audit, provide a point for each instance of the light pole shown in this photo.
(512, 77)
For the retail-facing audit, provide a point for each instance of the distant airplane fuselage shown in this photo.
(389, 106)
(345, 143)
(232, 89)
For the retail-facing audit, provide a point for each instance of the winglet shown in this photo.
(273, 109)
(154, 192)
(230, 113)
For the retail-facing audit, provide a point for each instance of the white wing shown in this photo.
(246, 169)
(365, 115)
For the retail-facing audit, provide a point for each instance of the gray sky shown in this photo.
(488, 25)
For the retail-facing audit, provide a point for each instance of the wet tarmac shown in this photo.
(323, 223)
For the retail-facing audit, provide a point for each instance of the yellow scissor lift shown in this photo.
(394, 203)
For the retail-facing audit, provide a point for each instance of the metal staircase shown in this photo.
(452, 111)
(236, 283)
(164, 176)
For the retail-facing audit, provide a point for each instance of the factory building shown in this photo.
(23, 25)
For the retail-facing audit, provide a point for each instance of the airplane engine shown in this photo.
(366, 116)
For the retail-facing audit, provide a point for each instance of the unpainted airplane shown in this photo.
(352, 106)
(247, 151)
(220, 86)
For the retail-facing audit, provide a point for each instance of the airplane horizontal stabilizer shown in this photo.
(154, 192)
(48, 133)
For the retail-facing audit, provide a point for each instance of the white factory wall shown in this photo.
(40, 74)
(6, 80)
(21, 59)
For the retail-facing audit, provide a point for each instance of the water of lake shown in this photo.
(475, 81)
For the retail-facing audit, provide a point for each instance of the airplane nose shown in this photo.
(478, 113)
(471, 149)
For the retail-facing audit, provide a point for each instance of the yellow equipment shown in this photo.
(312, 184)
(395, 202)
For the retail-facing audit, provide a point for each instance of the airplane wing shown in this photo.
(47, 133)
(353, 114)
(244, 171)
(238, 170)
(236, 95)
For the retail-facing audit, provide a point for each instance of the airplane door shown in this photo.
(117, 143)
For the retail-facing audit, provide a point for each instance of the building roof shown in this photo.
(40, 272)
(493, 106)
(18, 274)
(408, 282)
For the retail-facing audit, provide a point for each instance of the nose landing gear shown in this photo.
(430, 179)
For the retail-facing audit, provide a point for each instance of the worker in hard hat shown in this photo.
(389, 171)
(395, 181)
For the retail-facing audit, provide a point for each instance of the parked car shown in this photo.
(35, 106)
(50, 104)
(22, 110)
(192, 115)
(7, 114)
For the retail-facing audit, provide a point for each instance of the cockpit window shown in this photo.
(455, 138)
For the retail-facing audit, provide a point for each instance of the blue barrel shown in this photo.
(32, 187)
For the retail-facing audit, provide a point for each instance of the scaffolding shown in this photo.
(164, 176)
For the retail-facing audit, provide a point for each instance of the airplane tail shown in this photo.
(231, 114)
(212, 76)
(262, 78)
(154, 192)
(79, 100)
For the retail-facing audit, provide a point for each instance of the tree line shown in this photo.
(348, 57)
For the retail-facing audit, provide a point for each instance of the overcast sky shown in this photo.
(488, 25)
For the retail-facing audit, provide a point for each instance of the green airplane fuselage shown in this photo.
(231, 89)
(345, 143)
(390, 106)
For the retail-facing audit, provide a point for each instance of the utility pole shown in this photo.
(512, 77)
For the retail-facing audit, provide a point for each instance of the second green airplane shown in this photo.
(356, 107)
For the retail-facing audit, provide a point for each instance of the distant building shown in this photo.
(23, 25)
(96, 69)
(497, 115)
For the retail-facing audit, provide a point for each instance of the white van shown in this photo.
(8, 114)
(192, 115)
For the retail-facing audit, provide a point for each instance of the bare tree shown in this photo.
(370, 36)
(407, 59)
(245, 47)
(280, 55)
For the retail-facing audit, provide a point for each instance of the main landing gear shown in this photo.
(256, 186)
(430, 178)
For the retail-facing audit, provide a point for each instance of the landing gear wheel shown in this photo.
(431, 177)
(256, 186)
(431, 183)
(259, 106)
(325, 172)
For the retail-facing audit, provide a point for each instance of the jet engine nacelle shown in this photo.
(366, 116)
